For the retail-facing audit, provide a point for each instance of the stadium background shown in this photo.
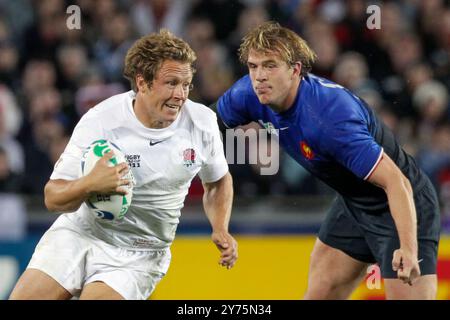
(50, 76)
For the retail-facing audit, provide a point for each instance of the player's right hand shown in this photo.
(227, 246)
(406, 265)
(108, 180)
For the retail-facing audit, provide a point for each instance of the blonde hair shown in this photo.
(270, 37)
(148, 53)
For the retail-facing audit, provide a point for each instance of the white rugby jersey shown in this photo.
(163, 162)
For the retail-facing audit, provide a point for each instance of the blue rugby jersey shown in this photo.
(329, 131)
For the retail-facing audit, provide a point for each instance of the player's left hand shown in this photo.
(227, 246)
(406, 265)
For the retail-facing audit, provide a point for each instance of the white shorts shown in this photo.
(75, 259)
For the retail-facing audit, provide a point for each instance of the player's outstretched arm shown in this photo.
(67, 196)
(401, 203)
(217, 201)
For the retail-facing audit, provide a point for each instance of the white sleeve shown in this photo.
(215, 166)
(68, 165)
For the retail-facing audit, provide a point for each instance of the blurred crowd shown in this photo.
(51, 75)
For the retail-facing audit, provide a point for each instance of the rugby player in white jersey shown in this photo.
(167, 140)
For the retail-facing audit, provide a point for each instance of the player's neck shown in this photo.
(290, 98)
(145, 118)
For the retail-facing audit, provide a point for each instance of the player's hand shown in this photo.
(227, 246)
(108, 180)
(406, 265)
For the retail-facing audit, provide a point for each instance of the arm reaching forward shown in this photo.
(401, 203)
(217, 201)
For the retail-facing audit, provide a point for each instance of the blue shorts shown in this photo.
(372, 237)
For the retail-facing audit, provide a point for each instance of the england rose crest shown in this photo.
(189, 157)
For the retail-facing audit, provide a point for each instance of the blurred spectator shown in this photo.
(45, 104)
(45, 124)
(110, 51)
(101, 11)
(92, 94)
(393, 23)
(9, 180)
(319, 35)
(9, 57)
(72, 61)
(39, 160)
(10, 122)
(434, 158)
(298, 14)
(42, 37)
(417, 74)
(249, 18)
(199, 31)
(432, 102)
(440, 55)
(352, 72)
(214, 75)
(334, 11)
(404, 86)
(222, 13)
(350, 18)
(11, 115)
(404, 51)
(37, 76)
(152, 15)
(13, 214)
(18, 15)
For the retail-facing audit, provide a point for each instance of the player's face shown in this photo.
(167, 94)
(274, 81)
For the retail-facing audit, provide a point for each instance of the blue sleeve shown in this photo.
(231, 106)
(346, 138)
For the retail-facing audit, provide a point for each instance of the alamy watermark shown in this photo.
(251, 146)
(73, 21)
(261, 149)
(374, 20)
(373, 279)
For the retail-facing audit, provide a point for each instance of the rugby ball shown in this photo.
(107, 206)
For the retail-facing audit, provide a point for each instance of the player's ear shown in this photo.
(296, 68)
(141, 85)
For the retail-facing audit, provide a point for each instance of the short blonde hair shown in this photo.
(271, 37)
(148, 53)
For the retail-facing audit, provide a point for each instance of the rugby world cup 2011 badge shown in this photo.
(188, 157)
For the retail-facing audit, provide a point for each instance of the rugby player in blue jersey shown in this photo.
(386, 211)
